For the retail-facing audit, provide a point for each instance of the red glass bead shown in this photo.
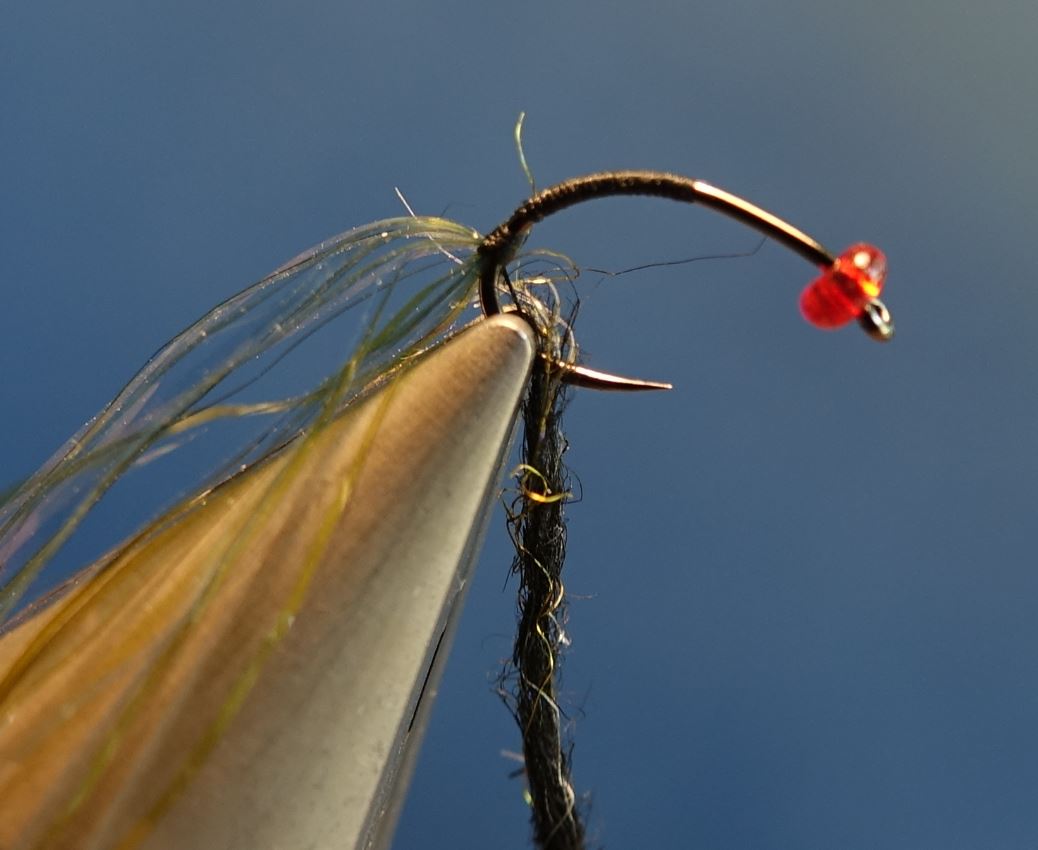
(841, 292)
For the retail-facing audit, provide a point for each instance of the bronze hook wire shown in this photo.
(500, 245)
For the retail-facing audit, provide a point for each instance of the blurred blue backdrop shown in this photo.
(803, 582)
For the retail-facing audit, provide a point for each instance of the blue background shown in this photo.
(804, 581)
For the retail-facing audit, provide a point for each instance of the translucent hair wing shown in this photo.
(415, 276)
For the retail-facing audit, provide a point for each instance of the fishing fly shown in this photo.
(846, 290)
(420, 279)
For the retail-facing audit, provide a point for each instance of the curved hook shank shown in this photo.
(497, 248)
(501, 244)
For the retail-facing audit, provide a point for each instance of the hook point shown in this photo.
(581, 376)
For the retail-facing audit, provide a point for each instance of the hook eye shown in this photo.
(876, 321)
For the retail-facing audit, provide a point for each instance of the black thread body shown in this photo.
(539, 532)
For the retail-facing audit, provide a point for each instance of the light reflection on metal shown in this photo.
(203, 726)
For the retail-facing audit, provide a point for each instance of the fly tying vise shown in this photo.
(847, 289)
